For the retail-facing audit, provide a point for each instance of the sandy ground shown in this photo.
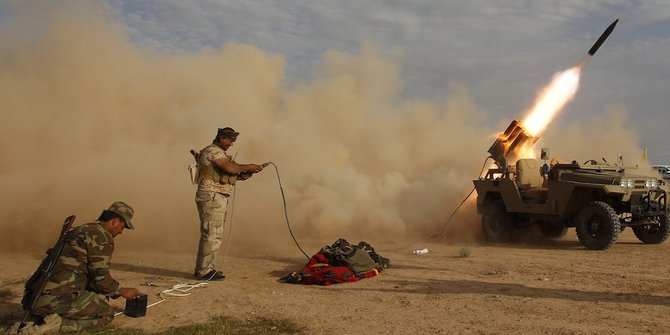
(530, 288)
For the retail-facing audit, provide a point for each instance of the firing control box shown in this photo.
(136, 307)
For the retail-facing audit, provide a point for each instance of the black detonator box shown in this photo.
(136, 307)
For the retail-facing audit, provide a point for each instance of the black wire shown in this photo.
(466, 198)
(456, 210)
(286, 210)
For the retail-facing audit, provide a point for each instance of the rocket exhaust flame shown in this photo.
(552, 99)
(520, 137)
(518, 140)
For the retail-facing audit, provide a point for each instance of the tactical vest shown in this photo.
(214, 173)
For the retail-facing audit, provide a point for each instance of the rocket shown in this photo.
(602, 38)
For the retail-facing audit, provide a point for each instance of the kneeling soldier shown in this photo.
(77, 293)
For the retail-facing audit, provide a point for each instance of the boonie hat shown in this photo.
(124, 211)
(227, 132)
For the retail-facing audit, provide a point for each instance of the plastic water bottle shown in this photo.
(420, 251)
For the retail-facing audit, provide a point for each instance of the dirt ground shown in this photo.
(528, 288)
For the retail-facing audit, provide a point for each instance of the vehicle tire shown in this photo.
(496, 223)
(655, 232)
(598, 226)
(554, 231)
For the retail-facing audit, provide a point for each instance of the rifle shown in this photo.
(35, 285)
(193, 168)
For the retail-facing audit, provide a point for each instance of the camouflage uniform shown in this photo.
(214, 188)
(81, 284)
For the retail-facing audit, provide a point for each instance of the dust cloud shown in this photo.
(602, 138)
(90, 118)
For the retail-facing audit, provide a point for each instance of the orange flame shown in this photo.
(552, 99)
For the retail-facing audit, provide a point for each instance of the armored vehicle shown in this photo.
(598, 199)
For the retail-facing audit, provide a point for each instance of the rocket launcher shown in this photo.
(509, 145)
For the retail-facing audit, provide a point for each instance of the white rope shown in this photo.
(178, 290)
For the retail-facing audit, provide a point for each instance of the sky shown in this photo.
(378, 114)
(502, 51)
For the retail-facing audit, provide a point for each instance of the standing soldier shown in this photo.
(217, 174)
(76, 295)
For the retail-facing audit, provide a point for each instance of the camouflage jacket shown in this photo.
(84, 262)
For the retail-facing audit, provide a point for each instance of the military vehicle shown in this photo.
(598, 199)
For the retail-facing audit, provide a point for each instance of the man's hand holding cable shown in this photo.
(251, 169)
(255, 168)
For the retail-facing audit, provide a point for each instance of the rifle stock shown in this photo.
(38, 281)
(196, 155)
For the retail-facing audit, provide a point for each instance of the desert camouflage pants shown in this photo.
(212, 210)
(79, 310)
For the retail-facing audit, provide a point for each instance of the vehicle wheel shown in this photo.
(654, 232)
(553, 230)
(598, 226)
(496, 223)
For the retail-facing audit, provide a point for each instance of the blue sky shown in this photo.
(502, 51)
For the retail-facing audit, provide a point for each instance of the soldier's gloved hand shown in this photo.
(130, 293)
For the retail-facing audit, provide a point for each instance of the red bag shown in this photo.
(332, 266)
(319, 272)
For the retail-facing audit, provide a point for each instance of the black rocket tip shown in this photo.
(613, 24)
(603, 37)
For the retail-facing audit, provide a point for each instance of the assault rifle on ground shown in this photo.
(35, 285)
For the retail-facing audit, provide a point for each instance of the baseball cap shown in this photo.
(124, 211)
